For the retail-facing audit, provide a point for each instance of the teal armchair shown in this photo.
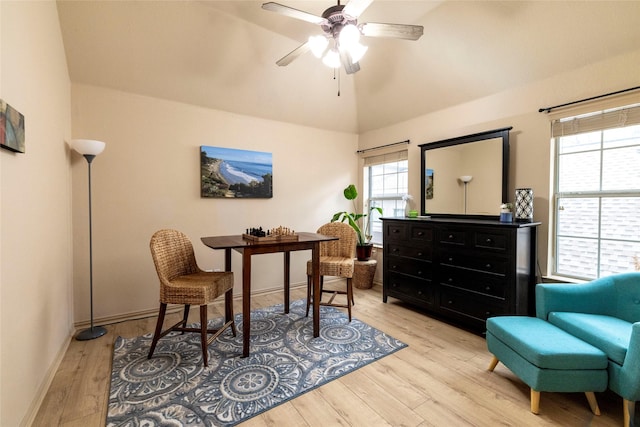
(606, 314)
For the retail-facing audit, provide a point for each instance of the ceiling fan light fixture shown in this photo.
(332, 59)
(357, 51)
(339, 24)
(318, 45)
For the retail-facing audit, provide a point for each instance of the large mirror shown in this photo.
(467, 175)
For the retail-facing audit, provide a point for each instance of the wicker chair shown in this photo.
(183, 282)
(336, 259)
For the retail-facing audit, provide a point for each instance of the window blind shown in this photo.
(395, 156)
(607, 119)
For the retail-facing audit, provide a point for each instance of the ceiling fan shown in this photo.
(340, 26)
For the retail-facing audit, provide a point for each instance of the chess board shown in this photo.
(271, 238)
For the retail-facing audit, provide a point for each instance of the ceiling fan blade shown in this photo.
(355, 7)
(293, 13)
(349, 66)
(300, 50)
(398, 31)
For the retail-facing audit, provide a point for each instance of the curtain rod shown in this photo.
(548, 109)
(408, 141)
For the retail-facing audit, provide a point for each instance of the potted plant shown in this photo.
(363, 245)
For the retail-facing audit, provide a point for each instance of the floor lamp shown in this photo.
(89, 148)
(465, 179)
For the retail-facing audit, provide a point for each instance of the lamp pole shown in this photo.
(465, 180)
(90, 149)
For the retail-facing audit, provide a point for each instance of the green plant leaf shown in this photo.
(350, 193)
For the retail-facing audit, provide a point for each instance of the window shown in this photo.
(596, 193)
(386, 182)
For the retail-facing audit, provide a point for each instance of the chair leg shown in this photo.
(203, 334)
(535, 401)
(156, 334)
(628, 411)
(308, 295)
(228, 310)
(185, 316)
(593, 403)
(349, 297)
(493, 364)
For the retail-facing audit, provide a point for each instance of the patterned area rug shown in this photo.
(173, 388)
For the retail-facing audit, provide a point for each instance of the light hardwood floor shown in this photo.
(441, 379)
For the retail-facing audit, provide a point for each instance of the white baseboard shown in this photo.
(142, 314)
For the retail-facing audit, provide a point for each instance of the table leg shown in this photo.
(315, 260)
(246, 301)
(287, 280)
(227, 259)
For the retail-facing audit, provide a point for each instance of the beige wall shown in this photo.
(529, 139)
(35, 259)
(148, 178)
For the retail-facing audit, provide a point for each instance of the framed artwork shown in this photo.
(429, 182)
(11, 128)
(232, 173)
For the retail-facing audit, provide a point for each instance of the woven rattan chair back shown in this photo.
(345, 247)
(183, 282)
(173, 256)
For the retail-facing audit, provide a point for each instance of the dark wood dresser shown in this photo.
(464, 270)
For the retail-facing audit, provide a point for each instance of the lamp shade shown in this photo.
(466, 178)
(349, 36)
(332, 59)
(90, 147)
(318, 45)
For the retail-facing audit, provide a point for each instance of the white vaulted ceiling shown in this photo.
(222, 54)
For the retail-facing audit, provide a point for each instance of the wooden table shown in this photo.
(305, 241)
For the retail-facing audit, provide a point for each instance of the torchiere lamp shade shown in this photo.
(89, 147)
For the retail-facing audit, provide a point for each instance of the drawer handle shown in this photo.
(488, 265)
(420, 233)
(450, 280)
(395, 230)
(395, 250)
(450, 236)
(487, 288)
(450, 259)
(419, 273)
(450, 302)
(419, 292)
(487, 313)
(394, 267)
(419, 253)
(489, 240)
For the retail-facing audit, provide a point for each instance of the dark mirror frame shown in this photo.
(492, 134)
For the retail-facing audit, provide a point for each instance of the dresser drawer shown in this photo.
(479, 263)
(474, 281)
(487, 240)
(394, 231)
(469, 305)
(420, 291)
(418, 252)
(421, 233)
(420, 269)
(449, 236)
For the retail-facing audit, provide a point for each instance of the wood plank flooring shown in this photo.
(441, 379)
